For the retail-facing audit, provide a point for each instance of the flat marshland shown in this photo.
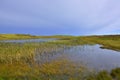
(57, 59)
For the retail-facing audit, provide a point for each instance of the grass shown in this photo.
(18, 60)
(28, 36)
(16, 36)
(107, 41)
(104, 75)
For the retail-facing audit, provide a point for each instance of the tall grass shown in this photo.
(109, 42)
(20, 61)
(104, 75)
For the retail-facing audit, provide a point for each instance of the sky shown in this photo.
(60, 17)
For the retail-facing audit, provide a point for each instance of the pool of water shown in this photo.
(91, 56)
(28, 40)
(94, 57)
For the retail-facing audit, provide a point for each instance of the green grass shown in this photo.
(109, 42)
(104, 75)
(28, 36)
(17, 61)
(16, 36)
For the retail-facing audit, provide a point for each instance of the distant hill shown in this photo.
(28, 36)
(16, 36)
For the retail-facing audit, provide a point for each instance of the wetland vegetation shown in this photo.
(48, 61)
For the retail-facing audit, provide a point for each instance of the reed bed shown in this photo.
(30, 61)
(22, 61)
(19, 52)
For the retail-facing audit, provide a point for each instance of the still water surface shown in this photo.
(94, 57)
(91, 56)
(28, 40)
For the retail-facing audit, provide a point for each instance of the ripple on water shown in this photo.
(90, 55)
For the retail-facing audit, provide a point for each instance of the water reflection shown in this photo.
(95, 57)
(28, 40)
(43, 56)
(90, 55)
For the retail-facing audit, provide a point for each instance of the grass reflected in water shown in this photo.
(31, 61)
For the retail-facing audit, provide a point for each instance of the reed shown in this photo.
(30, 61)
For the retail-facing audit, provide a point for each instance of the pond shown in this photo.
(94, 57)
(28, 40)
(91, 56)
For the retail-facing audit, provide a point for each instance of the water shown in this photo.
(91, 56)
(94, 57)
(28, 40)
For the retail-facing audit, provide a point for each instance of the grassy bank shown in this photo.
(16, 36)
(104, 75)
(18, 60)
(108, 41)
(28, 36)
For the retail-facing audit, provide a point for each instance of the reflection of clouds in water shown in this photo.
(95, 57)
(90, 55)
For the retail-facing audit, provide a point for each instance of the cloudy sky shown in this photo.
(51, 17)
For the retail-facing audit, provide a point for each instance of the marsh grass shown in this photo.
(108, 41)
(104, 75)
(55, 70)
(16, 36)
(18, 60)
(13, 52)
